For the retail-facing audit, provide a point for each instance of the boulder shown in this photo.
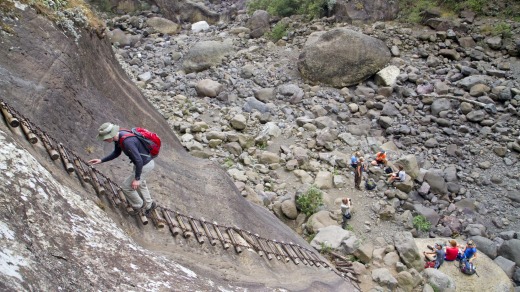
(387, 76)
(258, 23)
(428, 213)
(205, 54)
(319, 220)
(409, 163)
(330, 236)
(334, 58)
(324, 180)
(162, 25)
(510, 249)
(408, 251)
(384, 278)
(439, 280)
(208, 87)
(437, 183)
(506, 265)
(486, 246)
(289, 209)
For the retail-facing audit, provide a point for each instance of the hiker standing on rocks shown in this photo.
(346, 205)
(354, 160)
(358, 173)
(139, 155)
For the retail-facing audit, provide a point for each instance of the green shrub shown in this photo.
(502, 29)
(421, 223)
(310, 201)
(284, 8)
(278, 31)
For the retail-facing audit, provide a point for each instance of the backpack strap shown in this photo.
(124, 136)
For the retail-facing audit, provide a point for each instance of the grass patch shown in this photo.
(410, 9)
(310, 201)
(421, 223)
(284, 8)
(278, 31)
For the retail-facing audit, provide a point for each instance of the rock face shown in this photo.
(342, 57)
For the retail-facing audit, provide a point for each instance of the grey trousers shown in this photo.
(133, 195)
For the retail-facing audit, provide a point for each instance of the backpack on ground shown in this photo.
(370, 185)
(429, 264)
(388, 170)
(149, 139)
(466, 267)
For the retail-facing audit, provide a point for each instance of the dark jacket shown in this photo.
(134, 149)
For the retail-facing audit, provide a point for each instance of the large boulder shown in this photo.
(510, 249)
(330, 236)
(438, 279)
(319, 220)
(190, 11)
(162, 25)
(206, 54)
(486, 246)
(408, 251)
(258, 23)
(410, 165)
(437, 183)
(342, 57)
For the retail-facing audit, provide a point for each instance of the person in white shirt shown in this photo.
(399, 176)
(346, 208)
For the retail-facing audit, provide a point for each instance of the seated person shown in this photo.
(437, 255)
(451, 251)
(399, 176)
(346, 204)
(469, 253)
(380, 158)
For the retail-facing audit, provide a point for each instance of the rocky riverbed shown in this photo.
(448, 111)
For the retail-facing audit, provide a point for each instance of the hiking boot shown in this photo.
(133, 212)
(148, 211)
(430, 247)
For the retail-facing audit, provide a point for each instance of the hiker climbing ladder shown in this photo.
(178, 223)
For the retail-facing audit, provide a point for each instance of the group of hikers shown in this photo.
(451, 252)
(439, 254)
(358, 163)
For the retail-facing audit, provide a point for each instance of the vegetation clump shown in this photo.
(410, 10)
(421, 223)
(278, 32)
(284, 8)
(310, 201)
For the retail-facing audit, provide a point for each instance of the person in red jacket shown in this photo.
(451, 251)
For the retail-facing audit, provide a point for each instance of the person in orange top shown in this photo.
(380, 158)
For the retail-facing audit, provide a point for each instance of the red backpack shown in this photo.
(149, 139)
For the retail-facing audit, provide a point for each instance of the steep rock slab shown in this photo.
(342, 57)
